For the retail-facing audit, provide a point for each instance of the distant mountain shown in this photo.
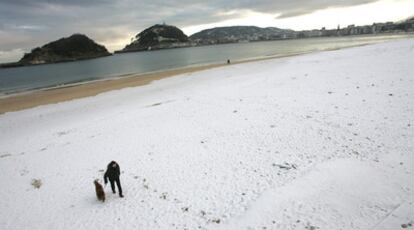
(157, 37)
(75, 47)
(240, 34)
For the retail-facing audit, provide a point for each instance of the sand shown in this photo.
(69, 92)
(48, 96)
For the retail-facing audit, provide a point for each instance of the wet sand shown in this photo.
(32, 99)
(70, 92)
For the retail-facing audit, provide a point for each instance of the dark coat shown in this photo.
(112, 173)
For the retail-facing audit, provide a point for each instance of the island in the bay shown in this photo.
(73, 48)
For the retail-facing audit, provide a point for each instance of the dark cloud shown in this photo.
(34, 22)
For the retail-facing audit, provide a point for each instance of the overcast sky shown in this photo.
(25, 24)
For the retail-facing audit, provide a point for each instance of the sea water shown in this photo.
(20, 79)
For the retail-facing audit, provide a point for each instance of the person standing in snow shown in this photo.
(112, 173)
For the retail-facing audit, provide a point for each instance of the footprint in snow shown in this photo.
(5, 155)
(311, 227)
(217, 221)
(62, 133)
(157, 104)
(164, 196)
(160, 103)
(410, 224)
(24, 172)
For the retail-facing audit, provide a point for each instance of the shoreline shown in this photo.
(55, 94)
(26, 100)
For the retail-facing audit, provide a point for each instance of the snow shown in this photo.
(318, 141)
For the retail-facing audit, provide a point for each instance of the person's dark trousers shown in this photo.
(118, 184)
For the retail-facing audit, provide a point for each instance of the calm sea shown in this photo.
(13, 80)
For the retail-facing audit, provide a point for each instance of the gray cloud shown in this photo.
(25, 24)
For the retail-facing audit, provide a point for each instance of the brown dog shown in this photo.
(100, 194)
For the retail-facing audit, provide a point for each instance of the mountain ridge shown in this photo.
(229, 34)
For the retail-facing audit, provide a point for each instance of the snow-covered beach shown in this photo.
(318, 141)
